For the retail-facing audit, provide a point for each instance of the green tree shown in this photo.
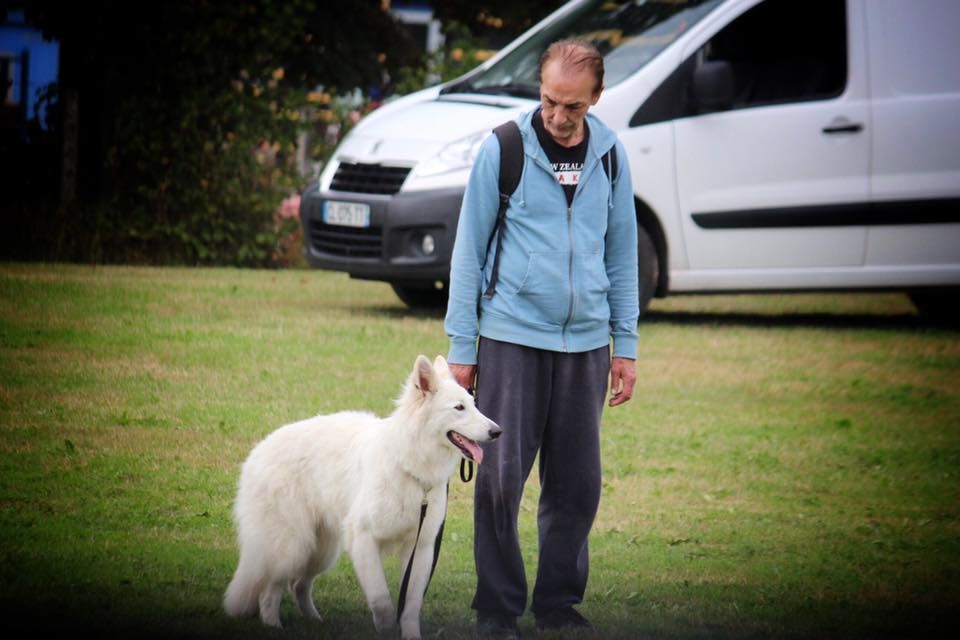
(178, 121)
(496, 22)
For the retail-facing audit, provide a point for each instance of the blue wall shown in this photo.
(16, 37)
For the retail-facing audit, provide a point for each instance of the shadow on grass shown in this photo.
(896, 322)
(400, 313)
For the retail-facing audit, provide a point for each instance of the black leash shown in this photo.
(402, 598)
(466, 474)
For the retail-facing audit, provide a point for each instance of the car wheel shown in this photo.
(648, 267)
(425, 296)
(938, 305)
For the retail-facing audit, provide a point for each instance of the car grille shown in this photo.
(357, 177)
(345, 241)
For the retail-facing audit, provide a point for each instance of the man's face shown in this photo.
(566, 96)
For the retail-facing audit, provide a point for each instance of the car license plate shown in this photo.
(346, 214)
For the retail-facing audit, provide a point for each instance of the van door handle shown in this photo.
(842, 125)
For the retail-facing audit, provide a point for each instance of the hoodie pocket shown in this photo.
(544, 292)
(594, 285)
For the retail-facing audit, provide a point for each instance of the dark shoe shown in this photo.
(566, 618)
(497, 625)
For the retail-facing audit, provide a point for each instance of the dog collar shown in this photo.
(420, 481)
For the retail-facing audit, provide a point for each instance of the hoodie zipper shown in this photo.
(566, 322)
(570, 240)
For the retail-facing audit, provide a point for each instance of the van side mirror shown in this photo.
(713, 86)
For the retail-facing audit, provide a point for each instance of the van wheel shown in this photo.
(648, 267)
(938, 305)
(426, 296)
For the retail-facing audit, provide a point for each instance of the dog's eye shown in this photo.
(459, 406)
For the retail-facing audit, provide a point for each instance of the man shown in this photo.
(567, 284)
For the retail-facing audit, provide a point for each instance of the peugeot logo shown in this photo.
(375, 147)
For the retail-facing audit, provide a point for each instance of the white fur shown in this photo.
(351, 481)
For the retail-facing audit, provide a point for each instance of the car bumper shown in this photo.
(409, 238)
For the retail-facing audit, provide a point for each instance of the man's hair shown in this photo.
(574, 54)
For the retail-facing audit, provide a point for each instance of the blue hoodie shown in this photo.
(567, 276)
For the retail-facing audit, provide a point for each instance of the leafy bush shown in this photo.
(188, 126)
(203, 188)
(461, 52)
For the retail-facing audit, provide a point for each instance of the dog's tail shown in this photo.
(243, 595)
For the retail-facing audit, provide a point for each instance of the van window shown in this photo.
(784, 51)
(628, 34)
(779, 51)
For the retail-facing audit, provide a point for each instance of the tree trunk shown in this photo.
(68, 166)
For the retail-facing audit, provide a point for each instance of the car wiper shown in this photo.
(516, 89)
(463, 86)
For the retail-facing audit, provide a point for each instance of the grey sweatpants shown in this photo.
(550, 403)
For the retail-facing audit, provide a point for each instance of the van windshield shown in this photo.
(628, 35)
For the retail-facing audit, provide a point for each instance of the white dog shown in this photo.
(355, 481)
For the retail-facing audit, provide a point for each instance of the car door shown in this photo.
(779, 181)
(915, 183)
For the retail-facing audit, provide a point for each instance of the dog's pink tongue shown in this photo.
(475, 451)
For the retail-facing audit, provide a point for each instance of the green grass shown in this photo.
(788, 467)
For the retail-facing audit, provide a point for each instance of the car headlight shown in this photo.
(459, 154)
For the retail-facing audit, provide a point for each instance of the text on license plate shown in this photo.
(346, 214)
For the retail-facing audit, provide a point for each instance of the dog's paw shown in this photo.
(384, 618)
(410, 624)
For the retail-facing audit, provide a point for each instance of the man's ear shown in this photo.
(596, 96)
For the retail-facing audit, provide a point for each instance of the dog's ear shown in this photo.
(424, 377)
(440, 366)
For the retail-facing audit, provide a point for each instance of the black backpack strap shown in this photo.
(511, 156)
(511, 167)
(610, 164)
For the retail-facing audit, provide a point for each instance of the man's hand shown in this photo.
(464, 374)
(623, 375)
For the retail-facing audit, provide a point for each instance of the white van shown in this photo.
(774, 145)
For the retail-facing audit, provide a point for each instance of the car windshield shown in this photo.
(628, 35)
